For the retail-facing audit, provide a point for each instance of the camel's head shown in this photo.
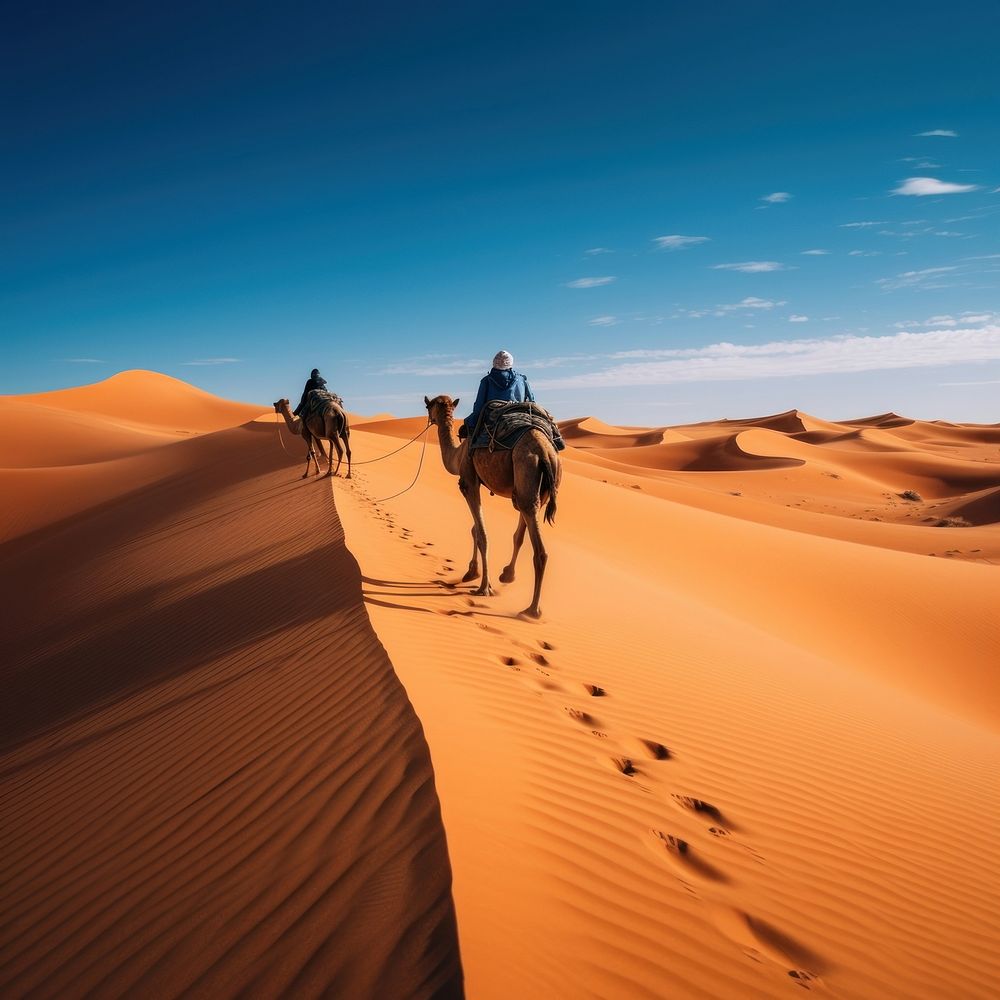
(278, 406)
(440, 409)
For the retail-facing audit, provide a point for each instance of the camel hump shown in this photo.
(318, 400)
(503, 424)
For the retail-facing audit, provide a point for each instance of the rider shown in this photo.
(502, 382)
(315, 381)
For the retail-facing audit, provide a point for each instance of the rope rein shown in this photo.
(420, 465)
(371, 461)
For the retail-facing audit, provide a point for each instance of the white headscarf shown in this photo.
(503, 360)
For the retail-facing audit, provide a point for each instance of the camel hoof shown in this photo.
(507, 576)
(348, 476)
(305, 475)
(471, 575)
(534, 613)
(330, 475)
(486, 591)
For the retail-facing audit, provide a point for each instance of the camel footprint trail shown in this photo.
(689, 823)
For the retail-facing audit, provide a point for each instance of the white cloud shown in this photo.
(940, 131)
(911, 279)
(776, 198)
(85, 361)
(431, 365)
(750, 302)
(604, 321)
(796, 318)
(594, 251)
(923, 186)
(751, 266)
(815, 253)
(213, 361)
(864, 253)
(679, 242)
(822, 356)
(590, 282)
(861, 225)
(946, 320)
(989, 381)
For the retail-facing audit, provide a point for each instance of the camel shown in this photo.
(330, 423)
(528, 475)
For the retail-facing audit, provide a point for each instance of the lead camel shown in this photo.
(528, 474)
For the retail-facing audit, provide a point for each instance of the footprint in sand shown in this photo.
(624, 765)
(510, 661)
(684, 860)
(655, 750)
(545, 645)
(578, 715)
(594, 691)
(539, 659)
(762, 941)
(699, 806)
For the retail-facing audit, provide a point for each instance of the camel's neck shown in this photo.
(294, 425)
(450, 450)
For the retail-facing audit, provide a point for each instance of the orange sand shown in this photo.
(751, 748)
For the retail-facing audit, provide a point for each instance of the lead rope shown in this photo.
(420, 464)
(371, 461)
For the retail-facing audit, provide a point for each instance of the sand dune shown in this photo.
(750, 749)
(213, 783)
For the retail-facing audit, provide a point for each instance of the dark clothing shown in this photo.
(318, 382)
(500, 383)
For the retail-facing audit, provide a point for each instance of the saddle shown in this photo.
(317, 400)
(502, 425)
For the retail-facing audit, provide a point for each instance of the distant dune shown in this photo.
(259, 739)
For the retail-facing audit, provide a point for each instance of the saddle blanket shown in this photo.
(502, 425)
(317, 401)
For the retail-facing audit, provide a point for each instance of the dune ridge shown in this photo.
(212, 782)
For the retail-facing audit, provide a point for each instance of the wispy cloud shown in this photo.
(923, 186)
(212, 361)
(591, 282)
(594, 251)
(751, 266)
(864, 253)
(751, 302)
(862, 225)
(604, 321)
(940, 131)
(796, 318)
(988, 381)
(927, 277)
(776, 197)
(946, 320)
(815, 253)
(435, 365)
(724, 362)
(679, 242)
(85, 361)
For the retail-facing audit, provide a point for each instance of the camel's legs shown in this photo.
(347, 447)
(473, 571)
(507, 576)
(309, 453)
(474, 500)
(539, 557)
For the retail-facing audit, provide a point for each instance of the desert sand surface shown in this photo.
(259, 737)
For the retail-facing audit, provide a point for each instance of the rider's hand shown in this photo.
(463, 432)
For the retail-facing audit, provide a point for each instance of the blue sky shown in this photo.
(624, 196)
